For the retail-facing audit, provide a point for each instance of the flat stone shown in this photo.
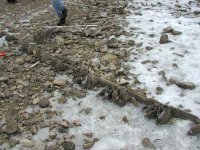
(149, 48)
(13, 141)
(60, 82)
(176, 32)
(4, 79)
(19, 60)
(147, 143)
(88, 144)
(52, 147)
(123, 82)
(109, 58)
(62, 100)
(22, 82)
(11, 126)
(26, 143)
(59, 41)
(183, 85)
(35, 101)
(39, 146)
(78, 93)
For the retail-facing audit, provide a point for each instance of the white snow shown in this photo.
(112, 132)
(115, 134)
(2, 41)
(186, 44)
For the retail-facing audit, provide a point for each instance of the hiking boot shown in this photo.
(63, 17)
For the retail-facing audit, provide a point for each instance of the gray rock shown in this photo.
(52, 147)
(196, 12)
(62, 100)
(20, 60)
(109, 58)
(78, 93)
(131, 42)
(164, 39)
(44, 102)
(60, 82)
(149, 48)
(10, 38)
(120, 53)
(4, 79)
(147, 143)
(52, 135)
(2, 95)
(35, 101)
(176, 32)
(88, 144)
(195, 130)
(183, 85)
(123, 82)
(2, 33)
(26, 143)
(11, 126)
(68, 145)
(39, 146)
(159, 90)
(59, 41)
(13, 141)
(168, 29)
(113, 43)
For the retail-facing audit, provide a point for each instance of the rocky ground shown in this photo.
(43, 104)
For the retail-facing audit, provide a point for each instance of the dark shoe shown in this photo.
(11, 1)
(63, 17)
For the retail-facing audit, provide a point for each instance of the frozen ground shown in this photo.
(178, 59)
(112, 132)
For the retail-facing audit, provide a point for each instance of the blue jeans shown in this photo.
(58, 7)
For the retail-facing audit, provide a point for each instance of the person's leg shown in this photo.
(60, 10)
(58, 7)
